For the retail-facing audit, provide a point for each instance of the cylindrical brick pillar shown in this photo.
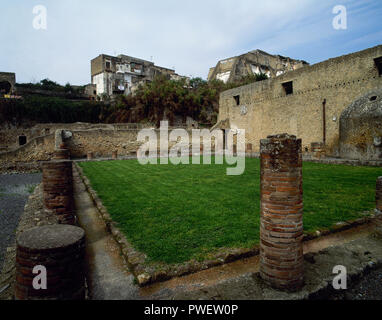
(60, 249)
(281, 229)
(249, 147)
(57, 178)
(378, 194)
(90, 156)
(115, 155)
(234, 149)
(61, 154)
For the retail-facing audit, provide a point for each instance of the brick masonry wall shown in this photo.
(281, 230)
(269, 110)
(61, 250)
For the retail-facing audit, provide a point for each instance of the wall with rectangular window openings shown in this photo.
(293, 102)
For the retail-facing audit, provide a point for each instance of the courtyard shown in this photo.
(177, 213)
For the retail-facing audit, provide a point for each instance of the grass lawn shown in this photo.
(176, 213)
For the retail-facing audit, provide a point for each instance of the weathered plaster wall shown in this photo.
(361, 128)
(265, 108)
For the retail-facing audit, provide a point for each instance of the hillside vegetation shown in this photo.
(152, 102)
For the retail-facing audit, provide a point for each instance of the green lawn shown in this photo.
(175, 213)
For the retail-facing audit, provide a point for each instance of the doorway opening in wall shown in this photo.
(224, 139)
(237, 100)
(22, 140)
(5, 87)
(378, 63)
(288, 87)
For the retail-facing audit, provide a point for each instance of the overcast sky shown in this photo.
(190, 36)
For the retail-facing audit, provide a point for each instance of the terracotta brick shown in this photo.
(65, 272)
(281, 227)
(57, 178)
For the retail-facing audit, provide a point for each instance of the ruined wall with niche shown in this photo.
(361, 128)
(102, 142)
(9, 134)
(265, 108)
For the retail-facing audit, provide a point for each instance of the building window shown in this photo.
(237, 100)
(22, 140)
(288, 87)
(108, 64)
(378, 63)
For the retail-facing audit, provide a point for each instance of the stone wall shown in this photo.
(266, 109)
(361, 128)
(9, 134)
(37, 149)
(102, 142)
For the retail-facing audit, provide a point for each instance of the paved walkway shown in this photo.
(109, 278)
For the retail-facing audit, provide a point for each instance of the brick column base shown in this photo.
(90, 156)
(57, 178)
(281, 230)
(115, 155)
(61, 250)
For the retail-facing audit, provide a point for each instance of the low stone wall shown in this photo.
(103, 142)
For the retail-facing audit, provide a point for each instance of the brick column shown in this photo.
(318, 150)
(378, 194)
(115, 155)
(90, 156)
(378, 198)
(61, 154)
(281, 230)
(57, 178)
(249, 148)
(61, 250)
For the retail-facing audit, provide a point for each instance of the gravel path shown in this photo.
(14, 192)
(367, 288)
